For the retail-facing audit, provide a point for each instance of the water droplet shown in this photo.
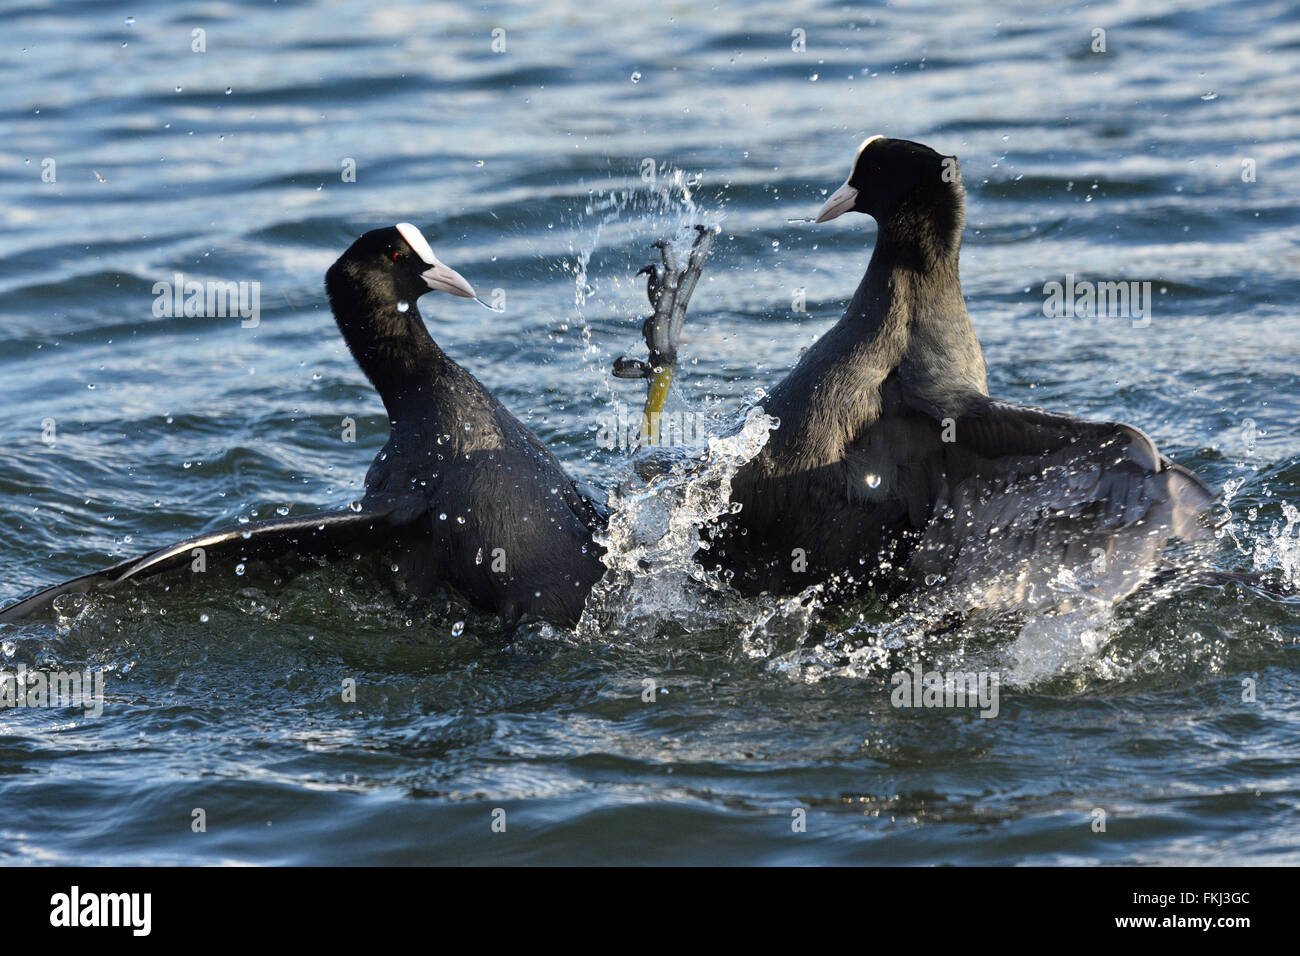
(239, 569)
(203, 619)
(403, 306)
(1209, 96)
(636, 77)
(873, 481)
(130, 21)
(458, 629)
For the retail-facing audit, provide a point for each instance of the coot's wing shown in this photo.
(1032, 505)
(323, 534)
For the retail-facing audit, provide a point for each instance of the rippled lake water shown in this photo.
(130, 155)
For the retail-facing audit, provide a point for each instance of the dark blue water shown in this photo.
(523, 169)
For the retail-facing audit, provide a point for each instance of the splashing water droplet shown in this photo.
(653, 536)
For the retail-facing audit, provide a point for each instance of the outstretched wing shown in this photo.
(1031, 505)
(324, 534)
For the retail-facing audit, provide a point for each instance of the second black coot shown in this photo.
(893, 467)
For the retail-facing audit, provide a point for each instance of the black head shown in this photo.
(393, 264)
(372, 290)
(889, 174)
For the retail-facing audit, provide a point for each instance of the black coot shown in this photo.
(467, 495)
(892, 466)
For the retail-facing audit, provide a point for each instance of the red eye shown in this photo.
(397, 256)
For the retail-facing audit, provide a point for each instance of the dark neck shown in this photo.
(915, 283)
(924, 232)
(396, 352)
(911, 282)
(907, 317)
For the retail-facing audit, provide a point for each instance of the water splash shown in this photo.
(653, 534)
(785, 622)
(1276, 549)
(662, 207)
(1048, 645)
(1280, 550)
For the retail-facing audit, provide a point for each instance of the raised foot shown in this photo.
(669, 288)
